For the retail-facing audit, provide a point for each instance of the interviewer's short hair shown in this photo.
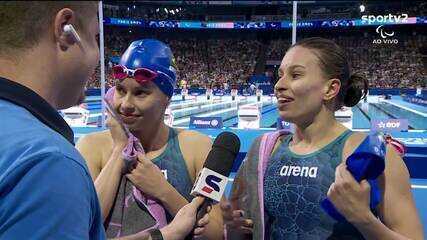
(23, 23)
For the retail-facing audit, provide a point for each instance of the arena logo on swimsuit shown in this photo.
(212, 181)
(298, 171)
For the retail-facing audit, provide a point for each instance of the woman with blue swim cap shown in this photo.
(281, 188)
(151, 192)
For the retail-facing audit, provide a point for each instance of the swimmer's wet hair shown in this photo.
(334, 64)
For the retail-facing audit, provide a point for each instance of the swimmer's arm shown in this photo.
(399, 217)
(107, 180)
(107, 183)
(93, 158)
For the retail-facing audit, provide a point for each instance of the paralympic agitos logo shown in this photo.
(212, 183)
(385, 36)
(383, 33)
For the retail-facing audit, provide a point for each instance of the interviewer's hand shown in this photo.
(184, 221)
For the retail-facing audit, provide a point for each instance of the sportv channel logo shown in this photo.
(390, 18)
(384, 36)
(212, 183)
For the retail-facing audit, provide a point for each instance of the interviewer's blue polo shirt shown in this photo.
(46, 191)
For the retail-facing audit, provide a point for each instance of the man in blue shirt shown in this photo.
(45, 189)
(48, 50)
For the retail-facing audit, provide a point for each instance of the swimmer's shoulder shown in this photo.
(193, 138)
(352, 142)
(281, 139)
(95, 143)
(357, 138)
(194, 146)
(96, 139)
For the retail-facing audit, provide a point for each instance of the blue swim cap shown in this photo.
(156, 56)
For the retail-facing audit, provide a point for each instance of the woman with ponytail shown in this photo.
(279, 195)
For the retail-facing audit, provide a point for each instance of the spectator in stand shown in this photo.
(200, 61)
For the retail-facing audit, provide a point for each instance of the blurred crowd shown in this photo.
(268, 12)
(384, 65)
(223, 63)
(200, 63)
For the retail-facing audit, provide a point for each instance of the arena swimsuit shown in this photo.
(293, 187)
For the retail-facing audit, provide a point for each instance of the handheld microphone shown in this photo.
(212, 179)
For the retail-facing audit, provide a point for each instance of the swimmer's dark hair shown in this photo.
(334, 64)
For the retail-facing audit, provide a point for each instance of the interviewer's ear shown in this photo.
(65, 33)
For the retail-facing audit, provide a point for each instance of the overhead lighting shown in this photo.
(173, 12)
(157, 10)
(166, 10)
(128, 9)
(362, 8)
(134, 6)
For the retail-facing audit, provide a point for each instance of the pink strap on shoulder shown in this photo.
(268, 141)
(398, 145)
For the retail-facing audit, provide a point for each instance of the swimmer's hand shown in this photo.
(184, 222)
(148, 178)
(235, 218)
(120, 140)
(349, 197)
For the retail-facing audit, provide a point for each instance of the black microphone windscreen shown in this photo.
(224, 151)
